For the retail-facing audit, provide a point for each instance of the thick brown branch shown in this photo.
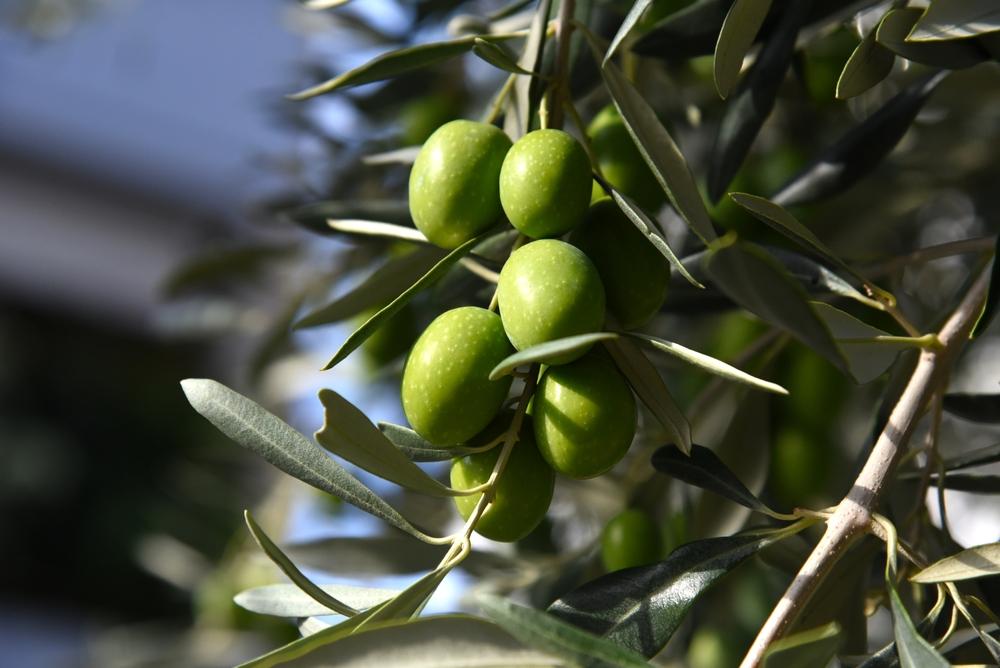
(854, 513)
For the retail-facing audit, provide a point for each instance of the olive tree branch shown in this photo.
(854, 513)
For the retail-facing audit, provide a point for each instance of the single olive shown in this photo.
(454, 191)
(584, 415)
(523, 492)
(545, 183)
(635, 275)
(630, 539)
(620, 161)
(447, 395)
(548, 290)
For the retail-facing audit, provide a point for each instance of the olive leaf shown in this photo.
(992, 296)
(347, 432)
(978, 457)
(868, 64)
(955, 20)
(867, 355)
(738, 33)
(983, 408)
(313, 216)
(550, 634)
(805, 649)
(263, 432)
(625, 29)
(323, 4)
(953, 54)
(640, 608)
(543, 353)
(913, 650)
(406, 155)
(703, 468)
(497, 56)
(372, 228)
(419, 450)
(525, 93)
(221, 264)
(686, 33)
(974, 484)
(284, 600)
(974, 562)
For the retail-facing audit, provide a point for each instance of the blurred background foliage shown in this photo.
(161, 203)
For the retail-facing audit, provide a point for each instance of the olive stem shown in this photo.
(501, 97)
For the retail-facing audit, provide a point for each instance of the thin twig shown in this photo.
(560, 87)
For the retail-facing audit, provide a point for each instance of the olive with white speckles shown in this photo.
(584, 416)
(635, 275)
(447, 395)
(523, 491)
(545, 183)
(454, 183)
(548, 290)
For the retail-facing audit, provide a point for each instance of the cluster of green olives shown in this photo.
(582, 416)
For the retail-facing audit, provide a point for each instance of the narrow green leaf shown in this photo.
(263, 432)
(868, 65)
(394, 63)
(550, 634)
(992, 297)
(314, 216)
(914, 651)
(974, 562)
(709, 363)
(978, 457)
(805, 649)
(371, 228)
(243, 262)
(625, 29)
(348, 433)
(275, 554)
(817, 278)
(754, 280)
(686, 33)
(861, 149)
(865, 361)
(702, 468)
(526, 92)
(544, 352)
(323, 4)
(956, 19)
(283, 600)
(645, 380)
(640, 608)
(309, 625)
(384, 284)
(649, 230)
(983, 408)
(739, 32)
(406, 155)
(954, 54)
(368, 328)
(497, 56)
(417, 449)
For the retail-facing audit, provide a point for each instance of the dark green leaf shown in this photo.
(747, 110)
(992, 297)
(754, 280)
(805, 649)
(283, 600)
(275, 554)
(645, 380)
(648, 228)
(709, 363)
(686, 33)
(546, 632)
(953, 54)
(543, 353)
(861, 149)
(914, 651)
(974, 407)
(347, 432)
(640, 608)
(383, 285)
(368, 328)
(497, 56)
(869, 64)
(526, 93)
(264, 433)
(866, 361)
(956, 19)
(974, 562)
(702, 468)
(416, 448)
(815, 277)
(314, 216)
(738, 33)
(221, 265)
(975, 484)
(978, 457)
(625, 29)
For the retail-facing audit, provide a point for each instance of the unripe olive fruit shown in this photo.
(548, 290)
(634, 274)
(545, 183)
(454, 192)
(522, 494)
(620, 161)
(447, 395)
(630, 539)
(393, 338)
(584, 415)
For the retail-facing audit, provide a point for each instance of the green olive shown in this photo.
(545, 183)
(447, 395)
(635, 275)
(548, 290)
(392, 339)
(454, 192)
(584, 415)
(523, 491)
(620, 161)
(630, 539)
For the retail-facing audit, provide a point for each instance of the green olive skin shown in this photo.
(584, 415)
(545, 183)
(635, 275)
(620, 161)
(447, 395)
(548, 290)
(454, 191)
(630, 539)
(523, 491)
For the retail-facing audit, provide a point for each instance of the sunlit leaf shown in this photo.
(944, 20)
(954, 54)
(992, 297)
(543, 353)
(805, 649)
(983, 408)
(914, 651)
(702, 468)
(625, 29)
(398, 156)
(323, 4)
(739, 31)
(283, 600)
(974, 562)
(868, 65)
(372, 228)
(314, 216)
(419, 450)
(497, 56)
